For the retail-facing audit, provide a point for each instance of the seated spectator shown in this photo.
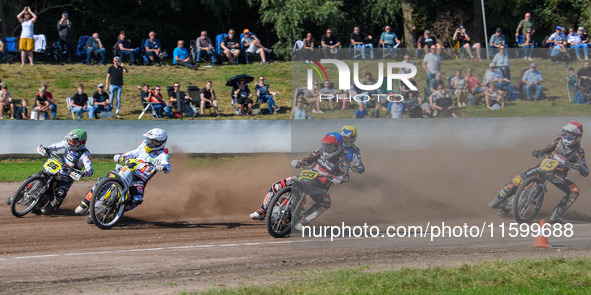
(252, 45)
(208, 99)
(328, 89)
(458, 87)
(298, 112)
(474, 85)
(426, 41)
(560, 53)
(368, 80)
(528, 44)
(244, 97)
(309, 45)
(145, 93)
(123, 47)
(497, 40)
(266, 95)
(495, 76)
(436, 82)
(584, 75)
(584, 41)
(154, 49)
(441, 103)
(501, 61)
(312, 97)
(99, 102)
(181, 101)
(406, 59)
(158, 102)
(203, 44)
(532, 79)
(94, 47)
(555, 37)
(6, 102)
(405, 90)
(2, 48)
(362, 41)
(49, 96)
(389, 40)
(575, 41)
(181, 56)
(361, 113)
(42, 104)
(21, 112)
(416, 106)
(461, 35)
(330, 41)
(396, 108)
(493, 97)
(79, 102)
(231, 47)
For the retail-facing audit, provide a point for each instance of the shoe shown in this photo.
(525, 58)
(463, 104)
(578, 57)
(117, 115)
(298, 227)
(199, 116)
(157, 64)
(256, 215)
(11, 118)
(268, 50)
(586, 57)
(89, 220)
(265, 63)
(314, 111)
(496, 202)
(555, 217)
(22, 65)
(529, 58)
(320, 112)
(454, 115)
(503, 212)
(435, 113)
(81, 209)
(8, 201)
(47, 209)
(32, 64)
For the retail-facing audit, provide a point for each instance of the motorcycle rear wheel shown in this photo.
(528, 200)
(106, 204)
(27, 195)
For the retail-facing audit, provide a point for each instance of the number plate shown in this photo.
(52, 166)
(549, 165)
(308, 174)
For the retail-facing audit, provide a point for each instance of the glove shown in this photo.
(42, 150)
(536, 153)
(75, 174)
(116, 158)
(296, 164)
(337, 180)
(160, 167)
(573, 166)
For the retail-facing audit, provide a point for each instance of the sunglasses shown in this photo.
(177, 86)
(157, 89)
(299, 101)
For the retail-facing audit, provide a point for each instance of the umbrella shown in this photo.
(235, 80)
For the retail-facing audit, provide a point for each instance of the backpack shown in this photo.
(579, 97)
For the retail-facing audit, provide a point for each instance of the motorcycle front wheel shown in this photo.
(279, 213)
(27, 195)
(107, 204)
(528, 199)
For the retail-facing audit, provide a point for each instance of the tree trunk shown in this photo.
(3, 21)
(477, 29)
(408, 23)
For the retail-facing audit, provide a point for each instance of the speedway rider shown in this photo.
(151, 150)
(75, 156)
(566, 148)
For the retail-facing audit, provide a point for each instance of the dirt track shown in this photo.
(192, 232)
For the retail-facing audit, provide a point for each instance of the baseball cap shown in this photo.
(427, 32)
(461, 27)
(559, 28)
(533, 65)
(492, 64)
(116, 58)
(582, 28)
(3, 85)
(499, 29)
(65, 13)
(100, 85)
(246, 31)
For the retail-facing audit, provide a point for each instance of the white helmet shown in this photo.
(572, 133)
(155, 139)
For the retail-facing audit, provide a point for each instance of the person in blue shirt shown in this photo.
(361, 113)
(181, 56)
(154, 49)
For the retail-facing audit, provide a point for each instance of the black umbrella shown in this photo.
(235, 80)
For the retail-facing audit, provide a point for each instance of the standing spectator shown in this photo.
(528, 45)
(42, 103)
(532, 79)
(426, 41)
(6, 101)
(431, 64)
(181, 56)
(584, 75)
(461, 35)
(396, 109)
(309, 45)
(181, 101)
(26, 42)
(253, 45)
(497, 40)
(524, 25)
(99, 102)
(361, 113)
(493, 97)
(266, 95)
(556, 37)
(154, 49)
(49, 96)
(94, 46)
(361, 40)
(389, 40)
(115, 75)
(474, 85)
(458, 86)
(64, 28)
(158, 102)
(79, 102)
(575, 41)
(501, 61)
(123, 47)
(244, 97)
(330, 41)
(231, 47)
(298, 112)
(204, 44)
(21, 112)
(559, 53)
(207, 99)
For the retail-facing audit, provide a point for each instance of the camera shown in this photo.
(119, 63)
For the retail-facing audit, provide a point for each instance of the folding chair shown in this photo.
(193, 50)
(194, 94)
(147, 106)
(354, 52)
(389, 52)
(243, 50)
(297, 50)
(12, 51)
(180, 104)
(69, 105)
(218, 47)
(40, 43)
(235, 100)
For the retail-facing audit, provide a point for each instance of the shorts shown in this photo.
(244, 100)
(252, 49)
(26, 44)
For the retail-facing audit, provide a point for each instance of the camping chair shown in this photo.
(354, 52)
(193, 51)
(41, 46)
(296, 53)
(243, 50)
(218, 47)
(147, 106)
(389, 52)
(235, 100)
(81, 47)
(69, 105)
(180, 104)
(12, 51)
(194, 93)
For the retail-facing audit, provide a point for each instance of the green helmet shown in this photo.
(76, 139)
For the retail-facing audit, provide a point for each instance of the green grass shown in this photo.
(17, 170)
(546, 276)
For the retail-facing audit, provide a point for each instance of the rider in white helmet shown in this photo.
(151, 150)
(566, 148)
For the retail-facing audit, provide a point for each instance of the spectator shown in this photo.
(99, 102)
(266, 95)
(376, 111)
(181, 101)
(181, 56)
(94, 46)
(584, 75)
(461, 35)
(474, 85)
(79, 102)
(154, 49)
(571, 79)
(298, 112)
(115, 75)
(253, 45)
(524, 25)
(532, 79)
(123, 47)
(204, 44)
(436, 82)
(560, 53)
(416, 106)
(406, 59)
(145, 93)
(157, 100)
(441, 103)
(42, 103)
(309, 45)
(361, 113)
(208, 99)
(497, 40)
(528, 44)
(26, 42)
(426, 41)
(575, 41)
(458, 85)
(1, 49)
(49, 96)
(431, 64)
(328, 89)
(64, 28)
(244, 97)
(493, 97)
(231, 47)
(330, 41)
(397, 108)
(22, 112)
(6, 101)
(362, 41)
(389, 40)
(584, 41)
(501, 61)
(495, 76)
(556, 37)
(312, 97)
(405, 90)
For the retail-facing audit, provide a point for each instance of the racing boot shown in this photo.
(89, 220)
(258, 215)
(81, 209)
(498, 199)
(47, 210)
(503, 212)
(8, 201)
(137, 200)
(556, 216)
